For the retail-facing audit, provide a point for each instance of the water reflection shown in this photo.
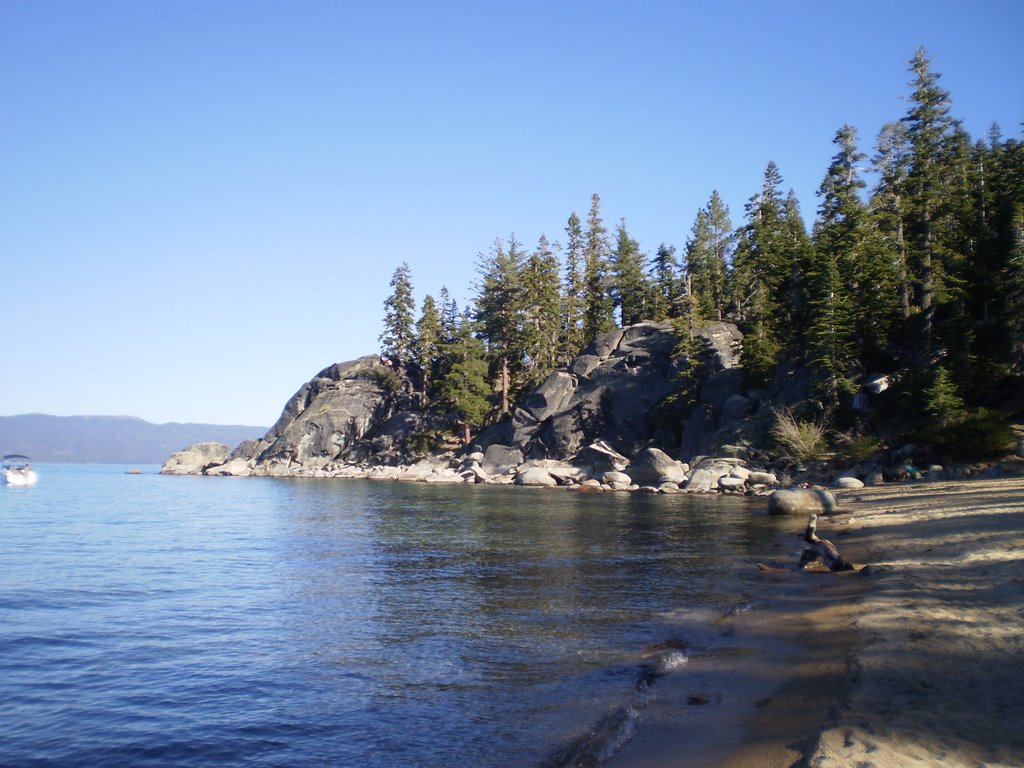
(478, 613)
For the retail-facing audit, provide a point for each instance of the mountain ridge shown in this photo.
(121, 439)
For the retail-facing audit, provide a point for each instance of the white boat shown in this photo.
(16, 470)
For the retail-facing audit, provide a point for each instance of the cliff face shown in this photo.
(329, 421)
(614, 391)
(355, 415)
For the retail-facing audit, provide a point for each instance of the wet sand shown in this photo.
(916, 660)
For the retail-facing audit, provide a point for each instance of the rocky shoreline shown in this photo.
(612, 420)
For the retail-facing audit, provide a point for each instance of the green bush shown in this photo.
(981, 434)
(801, 440)
(859, 448)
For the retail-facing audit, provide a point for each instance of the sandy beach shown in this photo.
(937, 673)
(915, 659)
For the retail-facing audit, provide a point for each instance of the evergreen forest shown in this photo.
(918, 277)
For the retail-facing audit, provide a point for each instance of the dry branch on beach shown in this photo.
(821, 550)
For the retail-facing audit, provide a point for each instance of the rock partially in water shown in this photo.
(801, 502)
(194, 459)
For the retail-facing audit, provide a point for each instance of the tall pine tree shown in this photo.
(427, 352)
(572, 302)
(399, 334)
(665, 292)
(762, 266)
(630, 289)
(708, 255)
(929, 131)
(463, 389)
(499, 313)
(597, 301)
(542, 309)
(831, 276)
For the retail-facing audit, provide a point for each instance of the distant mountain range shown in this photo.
(109, 439)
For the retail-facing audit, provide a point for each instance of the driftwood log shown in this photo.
(820, 550)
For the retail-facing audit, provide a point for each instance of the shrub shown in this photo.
(859, 448)
(979, 435)
(801, 440)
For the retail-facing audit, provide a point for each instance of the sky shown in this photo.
(202, 203)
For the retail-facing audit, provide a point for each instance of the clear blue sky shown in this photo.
(202, 203)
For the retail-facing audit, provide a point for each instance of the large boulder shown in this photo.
(801, 502)
(653, 466)
(194, 459)
(598, 458)
(705, 477)
(537, 476)
(550, 396)
(329, 417)
(501, 459)
(607, 393)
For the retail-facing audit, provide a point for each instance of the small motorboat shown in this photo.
(16, 470)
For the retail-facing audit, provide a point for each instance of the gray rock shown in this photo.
(720, 387)
(536, 476)
(763, 478)
(874, 477)
(698, 431)
(614, 479)
(731, 483)
(232, 468)
(563, 472)
(501, 459)
(584, 365)
(604, 344)
(702, 481)
(326, 419)
(801, 501)
(653, 466)
(735, 409)
(600, 457)
(848, 482)
(194, 459)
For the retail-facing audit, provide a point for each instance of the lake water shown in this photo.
(192, 621)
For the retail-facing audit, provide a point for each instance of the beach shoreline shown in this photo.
(916, 658)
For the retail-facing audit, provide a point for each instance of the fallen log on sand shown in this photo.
(820, 550)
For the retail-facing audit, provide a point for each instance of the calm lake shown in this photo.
(193, 621)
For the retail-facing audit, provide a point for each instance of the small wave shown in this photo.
(615, 730)
(672, 661)
(736, 610)
(610, 735)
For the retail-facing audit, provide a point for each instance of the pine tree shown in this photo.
(708, 253)
(1014, 274)
(889, 206)
(463, 389)
(572, 297)
(399, 334)
(426, 354)
(542, 309)
(629, 287)
(832, 276)
(597, 302)
(929, 130)
(665, 293)
(448, 312)
(499, 313)
(762, 268)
